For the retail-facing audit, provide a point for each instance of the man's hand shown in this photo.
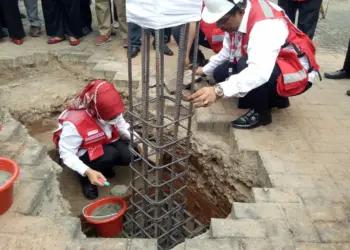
(203, 97)
(94, 177)
(199, 71)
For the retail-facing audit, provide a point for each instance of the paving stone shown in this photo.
(44, 171)
(300, 223)
(301, 181)
(222, 123)
(321, 195)
(109, 68)
(29, 243)
(41, 57)
(9, 130)
(73, 56)
(7, 62)
(121, 80)
(253, 244)
(209, 244)
(10, 149)
(256, 211)
(272, 195)
(333, 232)
(105, 244)
(322, 246)
(32, 154)
(27, 60)
(28, 195)
(140, 244)
(326, 212)
(279, 235)
(247, 228)
(205, 120)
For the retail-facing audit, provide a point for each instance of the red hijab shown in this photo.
(101, 99)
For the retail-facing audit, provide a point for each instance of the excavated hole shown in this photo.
(35, 96)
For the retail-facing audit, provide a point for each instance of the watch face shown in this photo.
(219, 90)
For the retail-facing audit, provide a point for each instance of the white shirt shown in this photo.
(265, 41)
(70, 142)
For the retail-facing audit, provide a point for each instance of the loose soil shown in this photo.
(106, 212)
(4, 177)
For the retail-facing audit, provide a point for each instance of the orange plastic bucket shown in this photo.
(6, 190)
(109, 227)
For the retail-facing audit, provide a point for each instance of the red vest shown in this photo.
(215, 36)
(294, 78)
(93, 135)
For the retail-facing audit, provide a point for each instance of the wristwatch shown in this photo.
(218, 91)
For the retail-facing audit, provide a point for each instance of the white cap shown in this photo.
(216, 9)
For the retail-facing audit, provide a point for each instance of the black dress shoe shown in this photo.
(167, 50)
(281, 103)
(337, 75)
(252, 119)
(134, 51)
(90, 191)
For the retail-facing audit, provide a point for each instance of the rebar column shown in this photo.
(157, 208)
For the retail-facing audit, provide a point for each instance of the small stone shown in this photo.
(119, 190)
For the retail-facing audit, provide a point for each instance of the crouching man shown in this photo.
(265, 59)
(93, 136)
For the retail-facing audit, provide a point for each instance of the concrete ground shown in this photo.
(305, 153)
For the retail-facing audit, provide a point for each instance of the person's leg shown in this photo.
(290, 8)
(72, 20)
(135, 43)
(123, 152)
(103, 164)
(13, 20)
(104, 21)
(259, 100)
(309, 12)
(344, 72)
(53, 20)
(220, 74)
(33, 17)
(167, 50)
(123, 26)
(86, 16)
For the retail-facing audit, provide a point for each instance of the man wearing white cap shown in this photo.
(265, 59)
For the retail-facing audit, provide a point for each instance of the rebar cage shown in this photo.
(157, 207)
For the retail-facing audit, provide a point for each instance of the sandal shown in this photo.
(55, 40)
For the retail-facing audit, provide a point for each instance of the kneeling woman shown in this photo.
(93, 136)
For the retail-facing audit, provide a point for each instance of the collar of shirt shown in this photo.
(243, 27)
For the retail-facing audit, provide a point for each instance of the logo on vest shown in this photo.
(93, 132)
(95, 137)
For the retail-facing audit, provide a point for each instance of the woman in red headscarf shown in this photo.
(93, 136)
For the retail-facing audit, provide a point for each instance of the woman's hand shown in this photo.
(94, 177)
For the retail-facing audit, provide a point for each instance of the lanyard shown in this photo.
(236, 42)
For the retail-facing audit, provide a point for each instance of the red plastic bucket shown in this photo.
(6, 190)
(109, 227)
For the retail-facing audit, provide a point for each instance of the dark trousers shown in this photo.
(62, 17)
(261, 98)
(309, 12)
(136, 33)
(202, 41)
(10, 18)
(116, 153)
(346, 66)
(85, 13)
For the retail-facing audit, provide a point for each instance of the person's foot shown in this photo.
(74, 41)
(23, 16)
(167, 50)
(281, 103)
(134, 52)
(125, 43)
(87, 30)
(252, 119)
(102, 40)
(35, 31)
(90, 191)
(337, 75)
(55, 40)
(17, 41)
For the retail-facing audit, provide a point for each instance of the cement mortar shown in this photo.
(108, 209)
(4, 177)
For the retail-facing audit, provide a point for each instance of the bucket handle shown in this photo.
(96, 217)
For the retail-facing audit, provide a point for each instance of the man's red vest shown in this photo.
(294, 78)
(215, 36)
(93, 135)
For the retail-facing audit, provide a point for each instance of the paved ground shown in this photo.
(305, 154)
